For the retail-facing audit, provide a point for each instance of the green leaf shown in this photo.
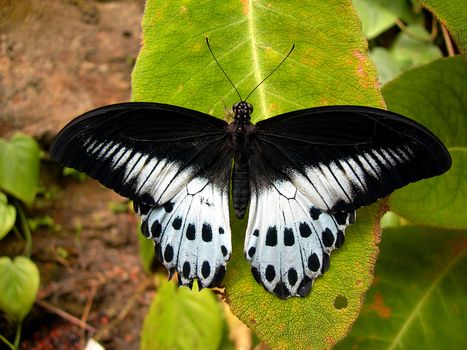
(325, 316)
(453, 14)
(182, 319)
(7, 215)
(146, 250)
(19, 167)
(436, 96)
(410, 51)
(406, 52)
(19, 283)
(418, 298)
(388, 66)
(329, 66)
(375, 18)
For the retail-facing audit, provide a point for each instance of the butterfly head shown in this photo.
(242, 112)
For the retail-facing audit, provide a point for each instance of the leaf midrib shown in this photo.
(252, 33)
(397, 339)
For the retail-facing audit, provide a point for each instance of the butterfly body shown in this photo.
(301, 175)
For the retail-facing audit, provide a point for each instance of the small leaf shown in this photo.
(436, 96)
(418, 297)
(375, 18)
(452, 13)
(146, 250)
(7, 216)
(410, 51)
(19, 283)
(182, 319)
(19, 167)
(388, 67)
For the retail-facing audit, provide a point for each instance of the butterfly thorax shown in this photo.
(241, 131)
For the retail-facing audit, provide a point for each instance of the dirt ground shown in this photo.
(58, 59)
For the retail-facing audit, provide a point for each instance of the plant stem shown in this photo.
(18, 335)
(24, 228)
(5, 340)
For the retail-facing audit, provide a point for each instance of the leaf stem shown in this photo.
(5, 340)
(18, 335)
(411, 34)
(24, 228)
(447, 40)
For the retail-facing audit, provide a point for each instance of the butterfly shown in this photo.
(302, 175)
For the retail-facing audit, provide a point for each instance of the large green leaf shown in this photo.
(7, 215)
(19, 283)
(436, 96)
(181, 319)
(329, 66)
(418, 299)
(19, 167)
(324, 317)
(453, 14)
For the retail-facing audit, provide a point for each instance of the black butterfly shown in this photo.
(303, 175)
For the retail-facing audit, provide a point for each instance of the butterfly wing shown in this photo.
(311, 169)
(174, 163)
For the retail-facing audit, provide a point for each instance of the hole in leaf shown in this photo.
(340, 302)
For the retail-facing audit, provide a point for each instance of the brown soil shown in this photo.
(58, 59)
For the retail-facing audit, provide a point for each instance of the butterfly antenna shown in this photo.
(222, 69)
(280, 64)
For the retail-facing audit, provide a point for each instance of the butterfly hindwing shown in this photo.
(289, 240)
(192, 231)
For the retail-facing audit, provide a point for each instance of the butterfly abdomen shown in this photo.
(240, 188)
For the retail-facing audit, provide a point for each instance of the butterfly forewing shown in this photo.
(344, 157)
(144, 151)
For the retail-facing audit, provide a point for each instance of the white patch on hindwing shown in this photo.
(289, 239)
(192, 232)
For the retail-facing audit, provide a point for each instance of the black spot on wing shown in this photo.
(271, 236)
(206, 232)
(224, 251)
(305, 286)
(251, 251)
(305, 230)
(186, 269)
(156, 229)
(292, 276)
(281, 290)
(313, 262)
(289, 239)
(168, 207)
(328, 237)
(270, 273)
(191, 232)
(205, 269)
(145, 229)
(315, 213)
(168, 253)
(340, 239)
(177, 223)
